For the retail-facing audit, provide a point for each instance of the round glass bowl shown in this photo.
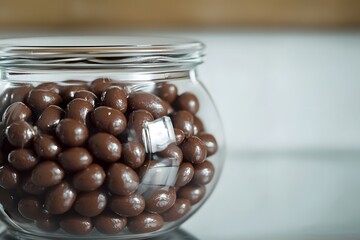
(104, 137)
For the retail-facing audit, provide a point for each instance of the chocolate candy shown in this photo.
(109, 223)
(121, 179)
(173, 153)
(193, 192)
(71, 132)
(76, 224)
(187, 101)
(179, 136)
(105, 147)
(60, 198)
(9, 177)
(51, 86)
(184, 121)
(75, 159)
(127, 206)
(194, 150)
(145, 222)
(46, 146)
(168, 92)
(133, 154)
(79, 109)
(29, 187)
(203, 173)
(115, 97)
(68, 92)
(16, 112)
(50, 118)
(31, 208)
(178, 210)
(87, 96)
(198, 126)
(160, 200)
(109, 120)
(136, 121)
(90, 204)
(210, 142)
(19, 94)
(99, 85)
(46, 174)
(185, 174)
(148, 102)
(20, 133)
(50, 224)
(22, 159)
(39, 99)
(90, 178)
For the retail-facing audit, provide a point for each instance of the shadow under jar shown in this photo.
(104, 137)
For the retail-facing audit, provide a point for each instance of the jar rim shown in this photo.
(100, 52)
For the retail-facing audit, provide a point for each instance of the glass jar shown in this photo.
(104, 137)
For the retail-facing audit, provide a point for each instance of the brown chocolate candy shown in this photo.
(31, 207)
(51, 86)
(188, 102)
(194, 150)
(109, 223)
(160, 200)
(79, 110)
(127, 206)
(20, 134)
(39, 99)
(76, 224)
(198, 126)
(50, 118)
(29, 187)
(109, 120)
(90, 178)
(184, 121)
(173, 153)
(193, 192)
(90, 204)
(87, 96)
(71, 132)
(9, 177)
(46, 146)
(75, 159)
(178, 210)
(210, 142)
(133, 154)
(17, 111)
(19, 94)
(136, 122)
(47, 174)
(121, 179)
(68, 92)
(148, 102)
(115, 97)
(185, 174)
(203, 173)
(22, 159)
(168, 92)
(105, 147)
(99, 85)
(145, 222)
(60, 198)
(179, 136)
(50, 224)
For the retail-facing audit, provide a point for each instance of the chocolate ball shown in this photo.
(109, 120)
(31, 207)
(90, 178)
(87, 96)
(76, 224)
(203, 173)
(160, 200)
(115, 97)
(19, 94)
(60, 198)
(167, 92)
(185, 174)
(75, 159)
(109, 223)
(46, 146)
(22, 159)
(71, 132)
(105, 147)
(51, 86)
(39, 99)
(148, 102)
(121, 179)
(50, 118)
(90, 204)
(99, 85)
(194, 150)
(50, 224)
(210, 142)
(178, 210)
(133, 154)
(188, 102)
(20, 134)
(127, 206)
(29, 187)
(68, 92)
(173, 153)
(47, 174)
(79, 110)
(17, 111)
(136, 122)
(198, 126)
(9, 177)
(145, 222)
(184, 121)
(179, 136)
(193, 192)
